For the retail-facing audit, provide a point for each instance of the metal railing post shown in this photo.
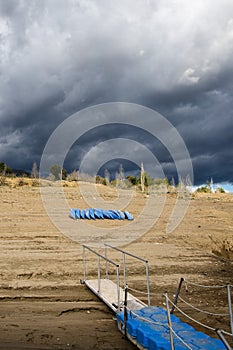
(148, 282)
(169, 323)
(98, 274)
(125, 309)
(118, 288)
(84, 264)
(124, 268)
(135, 257)
(99, 256)
(106, 261)
(223, 339)
(177, 295)
(230, 308)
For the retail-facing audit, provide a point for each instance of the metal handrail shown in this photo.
(124, 266)
(126, 253)
(99, 277)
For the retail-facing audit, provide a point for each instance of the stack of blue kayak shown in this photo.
(95, 213)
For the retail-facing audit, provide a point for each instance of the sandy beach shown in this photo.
(43, 303)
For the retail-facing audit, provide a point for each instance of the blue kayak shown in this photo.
(107, 214)
(98, 213)
(77, 213)
(72, 214)
(121, 215)
(92, 213)
(82, 214)
(87, 214)
(128, 216)
(114, 214)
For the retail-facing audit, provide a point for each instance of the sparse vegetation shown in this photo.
(3, 181)
(150, 185)
(204, 189)
(220, 190)
(132, 179)
(72, 176)
(100, 180)
(5, 169)
(35, 182)
(22, 182)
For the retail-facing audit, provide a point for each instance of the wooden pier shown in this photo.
(148, 327)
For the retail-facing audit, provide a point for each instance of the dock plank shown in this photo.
(109, 295)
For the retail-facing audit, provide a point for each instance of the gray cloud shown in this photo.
(58, 57)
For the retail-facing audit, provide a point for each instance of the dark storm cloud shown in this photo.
(58, 57)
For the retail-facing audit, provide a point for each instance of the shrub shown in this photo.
(100, 180)
(73, 176)
(132, 179)
(220, 190)
(3, 181)
(203, 189)
(35, 182)
(22, 182)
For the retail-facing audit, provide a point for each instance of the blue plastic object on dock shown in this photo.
(148, 329)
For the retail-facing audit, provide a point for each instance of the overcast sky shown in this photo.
(174, 56)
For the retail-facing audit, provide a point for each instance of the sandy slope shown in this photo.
(43, 304)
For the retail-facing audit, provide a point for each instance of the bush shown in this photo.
(22, 182)
(35, 182)
(203, 189)
(132, 179)
(73, 176)
(3, 181)
(58, 172)
(100, 180)
(220, 190)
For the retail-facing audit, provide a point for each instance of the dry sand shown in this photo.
(43, 304)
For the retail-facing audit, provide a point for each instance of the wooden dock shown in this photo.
(107, 291)
(148, 327)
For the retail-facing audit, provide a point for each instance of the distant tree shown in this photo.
(2, 166)
(100, 180)
(107, 176)
(58, 172)
(142, 178)
(117, 179)
(132, 179)
(73, 176)
(34, 173)
(5, 169)
(163, 181)
(203, 189)
(63, 174)
(121, 173)
(146, 182)
(173, 184)
(220, 190)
